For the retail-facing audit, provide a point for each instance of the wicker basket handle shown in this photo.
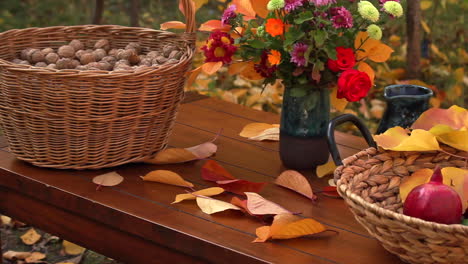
(189, 12)
(331, 134)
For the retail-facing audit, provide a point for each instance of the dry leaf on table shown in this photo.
(241, 186)
(212, 171)
(455, 117)
(261, 131)
(325, 169)
(180, 155)
(167, 177)
(258, 205)
(35, 257)
(192, 196)
(455, 138)
(30, 237)
(397, 138)
(268, 134)
(211, 206)
(287, 226)
(5, 220)
(12, 255)
(108, 179)
(241, 204)
(72, 249)
(295, 181)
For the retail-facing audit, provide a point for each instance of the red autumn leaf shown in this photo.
(242, 204)
(212, 171)
(330, 191)
(295, 181)
(240, 186)
(258, 205)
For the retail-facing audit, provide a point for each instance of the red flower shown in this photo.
(264, 68)
(219, 47)
(353, 85)
(345, 60)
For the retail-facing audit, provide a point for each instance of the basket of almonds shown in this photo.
(88, 97)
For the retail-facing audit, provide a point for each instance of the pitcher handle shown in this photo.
(331, 134)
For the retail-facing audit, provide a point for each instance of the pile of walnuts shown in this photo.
(101, 57)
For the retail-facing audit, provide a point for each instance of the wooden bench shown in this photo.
(135, 221)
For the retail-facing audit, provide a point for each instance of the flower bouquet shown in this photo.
(315, 47)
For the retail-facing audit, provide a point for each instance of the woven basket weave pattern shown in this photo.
(90, 119)
(369, 183)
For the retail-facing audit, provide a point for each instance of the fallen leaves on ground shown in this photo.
(241, 186)
(212, 171)
(452, 137)
(261, 131)
(241, 204)
(35, 257)
(30, 237)
(192, 196)
(454, 177)
(287, 226)
(12, 255)
(397, 139)
(295, 181)
(5, 220)
(181, 155)
(108, 179)
(325, 169)
(72, 249)
(167, 177)
(258, 205)
(330, 191)
(211, 206)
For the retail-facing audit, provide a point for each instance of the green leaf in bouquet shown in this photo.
(303, 17)
(465, 222)
(292, 36)
(257, 43)
(319, 37)
(331, 52)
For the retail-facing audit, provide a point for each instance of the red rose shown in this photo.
(353, 85)
(345, 60)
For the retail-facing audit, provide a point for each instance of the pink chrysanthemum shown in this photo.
(341, 17)
(297, 54)
(322, 2)
(291, 5)
(228, 14)
(219, 47)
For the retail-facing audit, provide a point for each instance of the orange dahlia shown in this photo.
(274, 58)
(274, 27)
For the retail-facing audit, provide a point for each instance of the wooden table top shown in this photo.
(135, 221)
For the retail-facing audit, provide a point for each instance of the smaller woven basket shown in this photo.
(369, 183)
(91, 119)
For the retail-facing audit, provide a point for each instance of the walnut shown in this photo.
(135, 46)
(82, 67)
(172, 61)
(41, 64)
(160, 60)
(25, 54)
(146, 61)
(25, 62)
(93, 66)
(153, 54)
(99, 54)
(122, 68)
(76, 44)
(64, 63)
(175, 54)
(47, 51)
(112, 52)
(37, 56)
(51, 66)
(109, 59)
(123, 62)
(86, 58)
(133, 57)
(74, 64)
(66, 51)
(104, 66)
(52, 58)
(102, 44)
(168, 49)
(17, 61)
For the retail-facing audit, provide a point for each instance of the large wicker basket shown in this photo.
(90, 119)
(369, 183)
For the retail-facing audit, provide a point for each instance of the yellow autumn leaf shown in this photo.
(237, 67)
(337, 103)
(167, 177)
(271, 134)
(192, 196)
(11, 255)
(250, 73)
(455, 138)
(417, 178)
(260, 7)
(255, 129)
(372, 49)
(172, 155)
(325, 169)
(426, 4)
(397, 139)
(5, 220)
(211, 67)
(108, 179)
(172, 25)
(364, 67)
(35, 257)
(456, 117)
(263, 234)
(211, 206)
(72, 249)
(30, 237)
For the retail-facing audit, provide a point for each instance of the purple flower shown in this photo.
(228, 14)
(341, 17)
(322, 2)
(297, 54)
(291, 5)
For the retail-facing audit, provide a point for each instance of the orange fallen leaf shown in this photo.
(455, 117)
(211, 67)
(211, 206)
(172, 25)
(397, 138)
(5, 220)
(181, 155)
(337, 103)
(192, 76)
(371, 48)
(241, 204)
(325, 169)
(30, 237)
(364, 67)
(295, 181)
(15, 255)
(260, 7)
(244, 7)
(167, 177)
(108, 179)
(287, 226)
(212, 25)
(35, 257)
(241, 186)
(237, 67)
(250, 73)
(71, 248)
(258, 205)
(212, 171)
(192, 196)
(255, 129)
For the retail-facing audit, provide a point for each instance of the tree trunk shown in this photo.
(134, 13)
(98, 10)
(413, 30)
